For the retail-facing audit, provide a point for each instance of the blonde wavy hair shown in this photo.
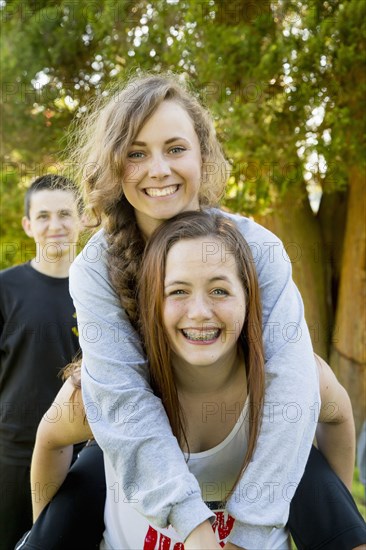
(101, 141)
(100, 145)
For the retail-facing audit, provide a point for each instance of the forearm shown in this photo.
(48, 471)
(53, 448)
(202, 538)
(337, 442)
(263, 495)
(133, 432)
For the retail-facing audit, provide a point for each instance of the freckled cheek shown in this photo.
(173, 312)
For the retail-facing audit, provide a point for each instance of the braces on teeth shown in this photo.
(208, 335)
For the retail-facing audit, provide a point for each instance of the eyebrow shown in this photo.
(58, 211)
(212, 280)
(170, 140)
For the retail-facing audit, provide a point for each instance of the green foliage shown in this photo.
(285, 81)
(15, 246)
(326, 57)
(359, 493)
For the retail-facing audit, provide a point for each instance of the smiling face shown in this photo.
(163, 167)
(53, 221)
(204, 304)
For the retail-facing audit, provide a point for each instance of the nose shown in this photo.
(55, 222)
(159, 167)
(199, 308)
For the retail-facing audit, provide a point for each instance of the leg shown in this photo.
(323, 514)
(74, 518)
(15, 503)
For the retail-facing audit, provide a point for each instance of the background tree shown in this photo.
(286, 82)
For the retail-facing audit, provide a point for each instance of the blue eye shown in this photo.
(136, 155)
(177, 292)
(220, 292)
(177, 149)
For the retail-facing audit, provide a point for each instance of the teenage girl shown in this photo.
(148, 153)
(200, 320)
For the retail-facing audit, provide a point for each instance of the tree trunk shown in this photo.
(332, 218)
(348, 354)
(294, 222)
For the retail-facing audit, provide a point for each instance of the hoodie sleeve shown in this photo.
(262, 498)
(127, 419)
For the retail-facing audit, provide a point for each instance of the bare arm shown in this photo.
(202, 537)
(62, 426)
(335, 433)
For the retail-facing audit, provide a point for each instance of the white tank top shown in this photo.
(126, 529)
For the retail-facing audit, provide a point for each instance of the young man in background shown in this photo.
(38, 338)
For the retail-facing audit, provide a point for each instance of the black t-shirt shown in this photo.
(38, 338)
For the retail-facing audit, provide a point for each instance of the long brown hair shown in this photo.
(100, 143)
(191, 225)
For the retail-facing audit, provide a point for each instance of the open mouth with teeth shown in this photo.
(207, 335)
(161, 191)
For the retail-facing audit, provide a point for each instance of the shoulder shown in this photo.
(89, 271)
(335, 402)
(267, 249)
(94, 251)
(14, 288)
(15, 271)
(251, 230)
(14, 276)
(68, 392)
(72, 426)
(93, 255)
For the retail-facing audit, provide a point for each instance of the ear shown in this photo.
(27, 226)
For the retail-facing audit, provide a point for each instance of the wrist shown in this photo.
(202, 538)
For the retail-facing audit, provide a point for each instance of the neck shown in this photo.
(147, 225)
(209, 379)
(58, 269)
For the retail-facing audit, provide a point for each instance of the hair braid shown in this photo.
(125, 250)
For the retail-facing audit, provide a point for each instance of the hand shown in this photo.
(202, 538)
(231, 546)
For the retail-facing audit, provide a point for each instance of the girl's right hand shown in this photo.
(202, 538)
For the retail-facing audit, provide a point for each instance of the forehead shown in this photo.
(170, 118)
(52, 200)
(205, 255)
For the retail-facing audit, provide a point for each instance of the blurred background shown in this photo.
(286, 81)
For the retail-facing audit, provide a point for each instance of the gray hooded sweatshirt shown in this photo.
(130, 424)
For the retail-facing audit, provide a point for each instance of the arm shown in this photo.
(62, 426)
(262, 497)
(335, 433)
(128, 421)
(202, 537)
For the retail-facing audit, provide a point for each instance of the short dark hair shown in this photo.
(51, 182)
